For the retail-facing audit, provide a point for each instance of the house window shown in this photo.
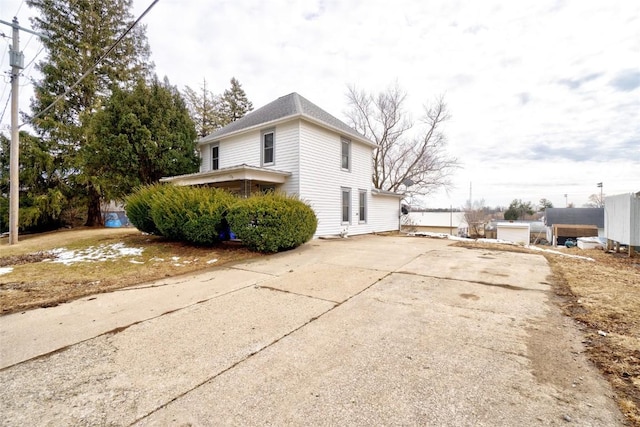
(346, 205)
(362, 206)
(215, 157)
(268, 147)
(346, 154)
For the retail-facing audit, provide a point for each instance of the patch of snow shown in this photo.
(5, 270)
(535, 248)
(133, 261)
(498, 241)
(460, 239)
(211, 261)
(429, 234)
(175, 258)
(92, 253)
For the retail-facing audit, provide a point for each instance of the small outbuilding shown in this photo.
(517, 232)
(622, 221)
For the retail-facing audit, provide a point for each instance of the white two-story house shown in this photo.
(294, 146)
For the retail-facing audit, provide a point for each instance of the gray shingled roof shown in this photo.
(577, 216)
(291, 105)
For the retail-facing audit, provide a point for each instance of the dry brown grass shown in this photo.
(35, 282)
(604, 296)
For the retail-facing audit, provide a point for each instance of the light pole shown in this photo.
(601, 199)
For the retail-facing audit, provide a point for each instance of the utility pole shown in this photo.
(16, 60)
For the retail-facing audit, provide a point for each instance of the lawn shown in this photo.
(43, 270)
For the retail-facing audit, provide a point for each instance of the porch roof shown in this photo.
(232, 173)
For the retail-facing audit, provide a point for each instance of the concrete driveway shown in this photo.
(368, 330)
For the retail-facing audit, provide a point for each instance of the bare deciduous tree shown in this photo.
(475, 215)
(409, 157)
(595, 201)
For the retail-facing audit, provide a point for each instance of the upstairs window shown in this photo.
(346, 154)
(268, 147)
(215, 157)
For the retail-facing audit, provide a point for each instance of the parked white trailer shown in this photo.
(622, 219)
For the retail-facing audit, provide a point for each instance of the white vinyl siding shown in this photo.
(241, 149)
(321, 181)
(384, 213)
(287, 156)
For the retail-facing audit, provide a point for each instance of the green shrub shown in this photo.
(138, 208)
(206, 220)
(170, 208)
(273, 222)
(191, 214)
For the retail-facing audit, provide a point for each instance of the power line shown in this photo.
(5, 107)
(93, 67)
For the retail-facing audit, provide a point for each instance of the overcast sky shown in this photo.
(544, 94)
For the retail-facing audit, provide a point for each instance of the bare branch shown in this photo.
(406, 153)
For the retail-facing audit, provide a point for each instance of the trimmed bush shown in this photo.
(138, 208)
(170, 208)
(273, 222)
(206, 224)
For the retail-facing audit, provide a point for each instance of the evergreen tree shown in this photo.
(518, 210)
(78, 33)
(43, 193)
(204, 108)
(235, 103)
(140, 136)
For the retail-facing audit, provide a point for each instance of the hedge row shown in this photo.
(205, 216)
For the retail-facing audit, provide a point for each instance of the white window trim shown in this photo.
(349, 157)
(262, 134)
(342, 191)
(365, 206)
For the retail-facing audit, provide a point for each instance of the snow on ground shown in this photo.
(5, 270)
(535, 248)
(92, 253)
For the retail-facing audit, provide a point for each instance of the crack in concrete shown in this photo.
(271, 288)
(478, 282)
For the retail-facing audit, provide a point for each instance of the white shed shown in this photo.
(516, 232)
(622, 219)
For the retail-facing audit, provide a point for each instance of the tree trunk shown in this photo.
(94, 216)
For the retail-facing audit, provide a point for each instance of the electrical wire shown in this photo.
(4, 110)
(93, 67)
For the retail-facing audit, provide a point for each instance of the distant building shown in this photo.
(452, 223)
(564, 223)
